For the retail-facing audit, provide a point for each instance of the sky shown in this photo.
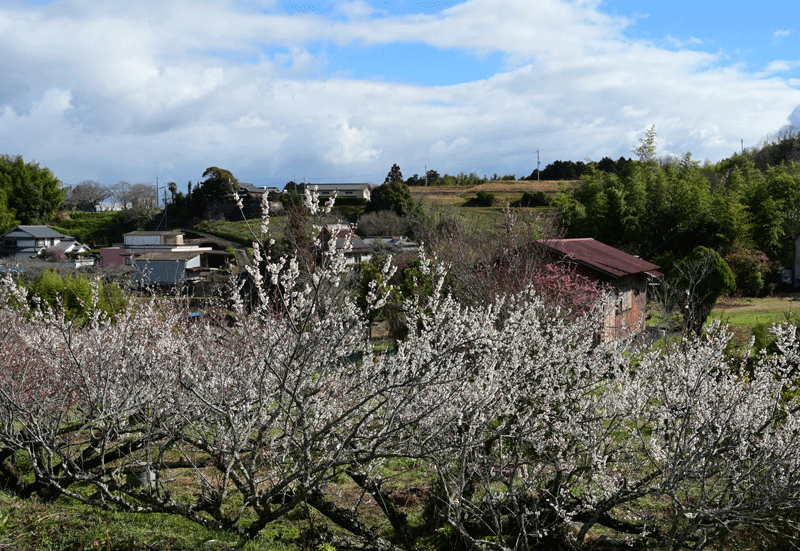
(339, 91)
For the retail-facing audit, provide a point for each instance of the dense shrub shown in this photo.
(481, 199)
(750, 268)
(694, 285)
(536, 199)
(76, 296)
(96, 229)
(54, 254)
(382, 223)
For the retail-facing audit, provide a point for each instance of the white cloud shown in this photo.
(358, 9)
(349, 145)
(778, 66)
(794, 117)
(104, 89)
(632, 113)
(678, 43)
(441, 148)
(781, 34)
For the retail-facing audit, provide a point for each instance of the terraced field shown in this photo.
(505, 191)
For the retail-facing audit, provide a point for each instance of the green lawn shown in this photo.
(748, 312)
(239, 231)
(30, 525)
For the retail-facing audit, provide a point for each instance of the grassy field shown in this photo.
(97, 229)
(26, 525)
(504, 191)
(746, 313)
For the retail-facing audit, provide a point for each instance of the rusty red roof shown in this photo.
(601, 257)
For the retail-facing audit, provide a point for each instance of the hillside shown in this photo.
(506, 191)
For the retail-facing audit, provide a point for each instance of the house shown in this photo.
(153, 239)
(165, 268)
(72, 249)
(255, 192)
(142, 242)
(70, 246)
(396, 245)
(346, 241)
(164, 257)
(29, 241)
(253, 196)
(627, 275)
(359, 192)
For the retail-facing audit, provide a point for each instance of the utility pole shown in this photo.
(538, 164)
(164, 217)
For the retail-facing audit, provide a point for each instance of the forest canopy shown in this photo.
(29, 194)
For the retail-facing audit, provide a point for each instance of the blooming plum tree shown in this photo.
(524, 433)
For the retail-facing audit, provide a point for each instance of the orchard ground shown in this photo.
(31, 525)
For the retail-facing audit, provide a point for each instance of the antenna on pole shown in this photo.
(742, 146)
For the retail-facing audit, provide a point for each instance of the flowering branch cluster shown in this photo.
(525, 433)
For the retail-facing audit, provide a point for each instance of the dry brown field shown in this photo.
(506, 191)
(502, 186)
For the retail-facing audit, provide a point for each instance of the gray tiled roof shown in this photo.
(40, 232)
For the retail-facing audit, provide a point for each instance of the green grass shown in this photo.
(490, 219)
(97, 229)
(238, 230)
(747, 313)
(29, 525)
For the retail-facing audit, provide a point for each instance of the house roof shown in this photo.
(356, 244)
(250, 188)
(66, 244)
(172, 256)
(340, 187)
(39, 232)
(401, 243)
(601, 257)
(338, 230)
(153, 233)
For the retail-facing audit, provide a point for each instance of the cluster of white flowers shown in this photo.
(526, 431)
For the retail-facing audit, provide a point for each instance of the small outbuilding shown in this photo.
(627, 275)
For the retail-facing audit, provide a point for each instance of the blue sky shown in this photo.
(338, 91)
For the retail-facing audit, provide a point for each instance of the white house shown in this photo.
(167, 239)
(342, 191)
(28, 241)
(163, 257)
(141, 242)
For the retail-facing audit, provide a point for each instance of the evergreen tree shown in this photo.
(29, 194)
